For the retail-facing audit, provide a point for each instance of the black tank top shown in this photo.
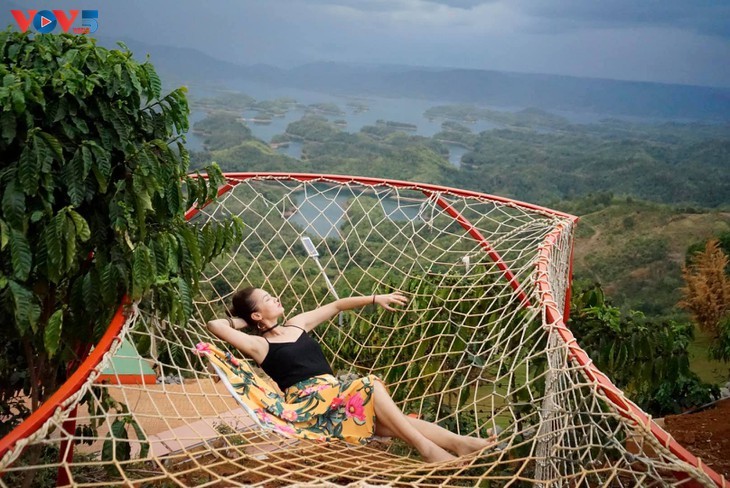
(288, 363)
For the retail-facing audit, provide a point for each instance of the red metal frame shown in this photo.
(553, 313)
(625, 407)
(491, 252)
(371, 181)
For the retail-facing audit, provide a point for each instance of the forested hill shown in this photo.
(678, 164)
(645, 193)
(549, 92)
(671, 164)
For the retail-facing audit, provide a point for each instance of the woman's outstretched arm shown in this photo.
(309, 320)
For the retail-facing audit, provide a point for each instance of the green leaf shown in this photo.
(82, 227)
(29, 165)
(52, 334)
(102, 169)
(36, 216)
(116, 446)
(159, 252)
(206, 240)
(25, 308)
(141, 271)
(185, 297)
(21, 256)
(8, 125)
(81, 125)
(4, 235)
(13, 205)
(91, 291)
(121, 124)
(69, 237)
(109, 278)
(155, 83)
(173, 261)
(215, 180)
(142, 193)
(144, 445)
(53, 144)
(18, 98)
(73, 174)
(107, 136)
(59, 111)
(52, 238)
(191, 242)
(173, 196)
(88, 160)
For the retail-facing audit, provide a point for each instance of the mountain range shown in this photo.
(448, 85)
(444, 85)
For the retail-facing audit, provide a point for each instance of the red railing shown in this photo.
(624, 406)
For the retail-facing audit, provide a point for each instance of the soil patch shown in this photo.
(705, 434)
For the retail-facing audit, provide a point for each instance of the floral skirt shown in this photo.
(330, 408)
(322, 408)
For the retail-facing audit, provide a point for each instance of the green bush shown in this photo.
(94, 188)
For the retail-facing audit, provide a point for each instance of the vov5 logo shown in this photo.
(45, 21)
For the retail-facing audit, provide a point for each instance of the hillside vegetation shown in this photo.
(635, 249)
(645, 192)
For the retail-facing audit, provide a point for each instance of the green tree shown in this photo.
(222, 130)
(94, 188)
(648, 359)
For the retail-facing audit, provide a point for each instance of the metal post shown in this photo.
(314, 254)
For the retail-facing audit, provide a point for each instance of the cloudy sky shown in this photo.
(673, 41)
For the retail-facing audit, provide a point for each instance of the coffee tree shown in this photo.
(93, 190)
(647, 358)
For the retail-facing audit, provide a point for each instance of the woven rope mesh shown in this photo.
(476, 351)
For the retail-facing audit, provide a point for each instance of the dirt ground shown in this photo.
(705, 434)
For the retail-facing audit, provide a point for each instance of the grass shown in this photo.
(707, 369)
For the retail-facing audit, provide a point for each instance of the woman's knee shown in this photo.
(380, 389)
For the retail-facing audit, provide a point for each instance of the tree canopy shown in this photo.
(94, 189)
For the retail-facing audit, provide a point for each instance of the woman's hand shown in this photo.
(386, 301)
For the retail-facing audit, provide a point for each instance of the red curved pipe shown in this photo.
(625, 407)
(372, 181)
(484, 243)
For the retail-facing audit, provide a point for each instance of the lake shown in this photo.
(406, 110)
(320, 214)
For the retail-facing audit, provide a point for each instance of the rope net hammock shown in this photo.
(481, 348)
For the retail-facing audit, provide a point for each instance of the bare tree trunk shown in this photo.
(33, 456)
(34, 380)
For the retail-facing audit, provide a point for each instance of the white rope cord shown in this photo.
(468, 352)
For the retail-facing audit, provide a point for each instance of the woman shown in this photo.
(296, 363)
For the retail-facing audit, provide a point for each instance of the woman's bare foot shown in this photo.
(473, 444)
(436, 455)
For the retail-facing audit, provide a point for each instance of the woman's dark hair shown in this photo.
(243, 306)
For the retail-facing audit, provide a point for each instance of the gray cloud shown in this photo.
(678, 41)
(706, 17)
(391, 5)
(465, 4)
